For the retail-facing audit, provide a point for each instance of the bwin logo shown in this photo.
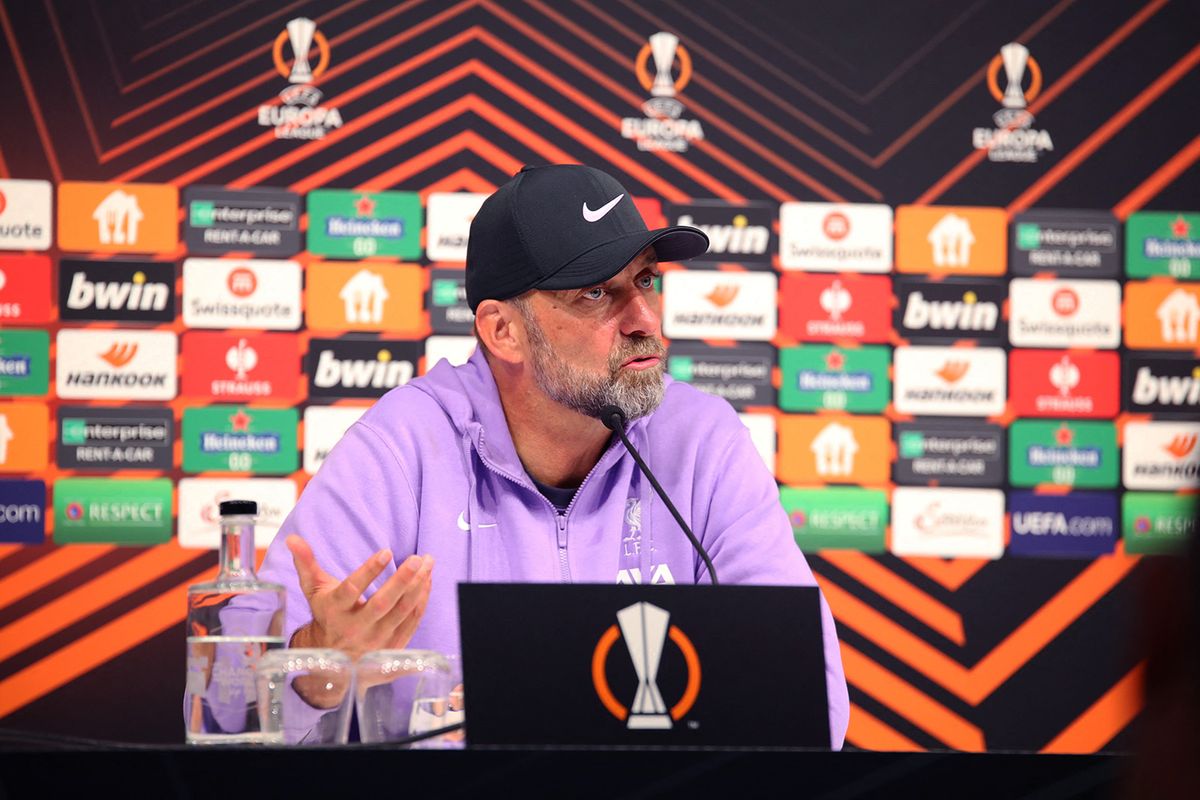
(967, 314)
(740, 238)
(133, 295)
(382, 372)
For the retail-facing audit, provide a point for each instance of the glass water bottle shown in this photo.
(231, 622)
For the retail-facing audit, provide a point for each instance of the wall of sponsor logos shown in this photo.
(951, 291)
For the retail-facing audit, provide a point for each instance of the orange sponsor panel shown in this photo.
(1162, 315)
(951, 240)
(834, 448)
(364, 296)
(24, 437)
(118, 217)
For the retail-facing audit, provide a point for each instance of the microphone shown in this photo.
(614, 419)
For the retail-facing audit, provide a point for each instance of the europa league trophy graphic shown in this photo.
(300, 34)
(644, 628)
(662, 103)
(1015, 57)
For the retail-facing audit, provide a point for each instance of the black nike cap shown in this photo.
(562, 226)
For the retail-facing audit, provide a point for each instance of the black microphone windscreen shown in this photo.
(612, 416)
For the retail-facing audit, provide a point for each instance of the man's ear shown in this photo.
(501, 330)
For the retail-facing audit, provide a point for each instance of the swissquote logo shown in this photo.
(24, 215)
(644, 629)
(737, 232)
(300, 114)
(1065, 313)
(118, 291)
(663, 127)
(1161, 455)
(950, 309)
(703, 304)
(950, 381)
(116, 365)
(827, 237)
(225, 293)
(360, 367)
(1014, 138)
(1162, 385)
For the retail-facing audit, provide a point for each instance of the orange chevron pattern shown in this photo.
(442, 96)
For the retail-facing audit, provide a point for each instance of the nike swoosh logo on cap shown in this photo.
(598, 214)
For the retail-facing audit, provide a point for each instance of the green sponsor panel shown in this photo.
(681, 367)
(200, 213)
(1156, 523)
(240, 439)
(1162, 243)
(1080, 454)
(349, 224)
(1029, 235)
(837, 518)
(24, 362)
(817, 377)
(445, 292)
(112, 511)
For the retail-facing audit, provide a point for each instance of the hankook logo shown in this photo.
(700, 304)
(116, 365)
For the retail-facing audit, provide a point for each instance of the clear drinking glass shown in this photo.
(401, 693)
(305, 696)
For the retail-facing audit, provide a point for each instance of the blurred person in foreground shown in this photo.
(500, 470)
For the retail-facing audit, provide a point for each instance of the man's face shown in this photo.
(600, 345)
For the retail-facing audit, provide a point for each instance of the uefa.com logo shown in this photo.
(300, 114)
(663, 127)
(645, 629)
(1013, 138)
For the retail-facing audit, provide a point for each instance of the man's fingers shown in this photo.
(394, 588)
(349, 590)
(307, 568)
(411, 597)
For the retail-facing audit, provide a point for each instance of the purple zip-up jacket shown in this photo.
(431, 468)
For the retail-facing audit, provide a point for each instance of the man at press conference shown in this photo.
(502, 470)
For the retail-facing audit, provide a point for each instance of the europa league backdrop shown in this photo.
(951, 289)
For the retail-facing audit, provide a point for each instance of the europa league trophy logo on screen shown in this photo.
(300, 33)
(645, 629)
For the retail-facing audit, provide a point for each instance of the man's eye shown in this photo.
(646, 281)
(595, 293)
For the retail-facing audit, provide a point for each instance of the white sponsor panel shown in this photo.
(1057, 313)
(324, 426)
(455, 349)
(448, 223)
(947, 523)
(715, 304)
(116, 364)
(1161, 455)
(255, 293)
(762, 436)
(835, 237)
(25, 218)
(950, 381)
(200, 518)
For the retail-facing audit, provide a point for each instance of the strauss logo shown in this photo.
(1064, 375)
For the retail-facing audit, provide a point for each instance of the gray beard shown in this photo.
(637, 393)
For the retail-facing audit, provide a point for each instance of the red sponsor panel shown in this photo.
(241, 368)
(652, 212)
(24, 289)
(820, 307)
(1064, 383)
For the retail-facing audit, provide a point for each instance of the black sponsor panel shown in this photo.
(953, 453)
(264, 222)
(1071, 244)
(446, 301)
(951, 309)
(360, 367)
(1161, 384)
(740, 374)
(740, 233)
(107, 439)
(116, 290)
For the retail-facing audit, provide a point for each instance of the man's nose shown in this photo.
(641, 316)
